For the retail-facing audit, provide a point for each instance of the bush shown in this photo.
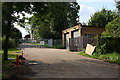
(110, 57)
(11, 44)
(58, 46)
(108, 45)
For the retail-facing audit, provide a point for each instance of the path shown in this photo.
(60, 63)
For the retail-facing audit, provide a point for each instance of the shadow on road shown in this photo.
(77, 69)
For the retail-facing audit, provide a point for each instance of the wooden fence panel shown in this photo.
(79, 43)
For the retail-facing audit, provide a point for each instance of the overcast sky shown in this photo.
(87, 8)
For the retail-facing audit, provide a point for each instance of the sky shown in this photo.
(87, 8)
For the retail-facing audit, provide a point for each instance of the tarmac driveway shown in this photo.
(60, 63)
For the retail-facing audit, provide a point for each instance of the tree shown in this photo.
(44, 18)
(101, 18)
(16, 35)
(112, 29)
(54, 18)
(118, 5)
(8, 18)
(110, 38)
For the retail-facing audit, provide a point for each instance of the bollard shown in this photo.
(17, 61)
(22, 58)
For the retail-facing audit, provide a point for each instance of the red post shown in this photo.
(17, 61)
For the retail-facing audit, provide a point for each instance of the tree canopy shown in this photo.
(48, 21)
(54, 18)
(101, 18)
(112, 29)
(8, 18)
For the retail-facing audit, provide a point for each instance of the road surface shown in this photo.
(61, 63)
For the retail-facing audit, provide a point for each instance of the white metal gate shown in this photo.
(67, 40)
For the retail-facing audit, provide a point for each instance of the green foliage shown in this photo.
(112, 29)
(101, 18)
(83, 51)
(11, 50)
(85, 54)
(118, 5)
(11, 44)
(8, 18)
(5, 63)
(101, 49)
(109, 57)
(58, 47)
(108, 45)
(53, 18)
(36, 44)
(16, 35)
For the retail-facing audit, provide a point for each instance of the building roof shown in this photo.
(92, 26)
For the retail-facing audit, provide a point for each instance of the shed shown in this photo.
(79, 31)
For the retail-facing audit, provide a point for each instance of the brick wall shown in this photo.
(92, 30)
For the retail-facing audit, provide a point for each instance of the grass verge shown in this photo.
(36, 44)
(108, 57)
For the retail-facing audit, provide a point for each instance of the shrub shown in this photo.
(58, 46)
(108, 45)
(11, 44)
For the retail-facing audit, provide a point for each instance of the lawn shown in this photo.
(108, 57)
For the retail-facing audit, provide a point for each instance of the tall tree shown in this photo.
(54, 18)
(112, 29)
(118, 5)
(101, 18)
(8, 18)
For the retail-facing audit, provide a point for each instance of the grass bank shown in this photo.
(108, 57)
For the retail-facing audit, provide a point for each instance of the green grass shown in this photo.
(12, 50)
(36, 44)
(109, 57)
(6, 66)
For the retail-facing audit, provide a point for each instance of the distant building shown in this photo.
(78, 31)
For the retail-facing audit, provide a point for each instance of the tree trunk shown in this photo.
(7, 40)
(6, 48)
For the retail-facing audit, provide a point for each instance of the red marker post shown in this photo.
(17, 61)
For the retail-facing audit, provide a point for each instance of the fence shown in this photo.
(79, 43)
(47, 42)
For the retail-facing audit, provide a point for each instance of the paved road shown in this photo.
(60, 63)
